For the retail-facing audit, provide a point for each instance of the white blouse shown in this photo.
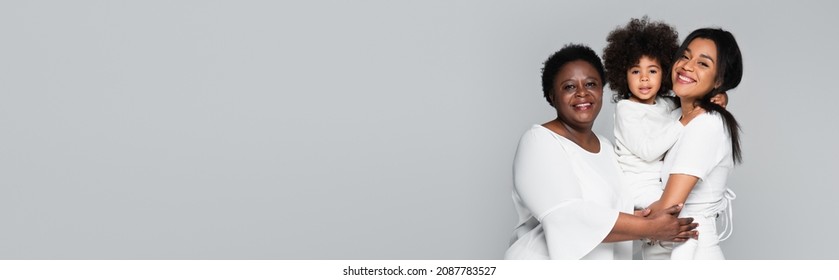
(568, 199)
(704, 151)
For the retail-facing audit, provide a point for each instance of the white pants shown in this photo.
(707, 247)
(656, 250)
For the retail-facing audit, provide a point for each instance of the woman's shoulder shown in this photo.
(541, 144)
(540, 133)
(538, 130)
(537, 134)
(710, 117)
(708, 121)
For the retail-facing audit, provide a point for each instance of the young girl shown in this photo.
(637, 59)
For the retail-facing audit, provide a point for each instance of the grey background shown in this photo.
(357, 129)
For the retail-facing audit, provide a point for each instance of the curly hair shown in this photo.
(626, 45)
(568, 53)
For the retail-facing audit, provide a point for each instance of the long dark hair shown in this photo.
(729, 71)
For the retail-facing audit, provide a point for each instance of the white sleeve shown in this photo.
(701, 147)
(644, 133)
(547, 184)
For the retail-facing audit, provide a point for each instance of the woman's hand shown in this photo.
(643, 212)
(666, 226)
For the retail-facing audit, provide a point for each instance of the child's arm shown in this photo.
(721, 99)
(646, 135)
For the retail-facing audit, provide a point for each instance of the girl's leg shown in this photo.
(656, 251)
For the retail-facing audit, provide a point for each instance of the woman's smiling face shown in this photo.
(695, 71)
(577, 94)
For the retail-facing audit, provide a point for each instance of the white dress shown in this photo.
(568, 199)
(643, 134)
(704, 151)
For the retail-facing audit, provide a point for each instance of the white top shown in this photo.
(643, 133)
(567, 198)
(704, 151)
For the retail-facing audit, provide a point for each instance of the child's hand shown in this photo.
(720, 99)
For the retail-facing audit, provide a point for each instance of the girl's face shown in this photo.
(695, 71)
(644, 80)
(577, 93)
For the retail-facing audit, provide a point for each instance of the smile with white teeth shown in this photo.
(685, 79)
(582, 105)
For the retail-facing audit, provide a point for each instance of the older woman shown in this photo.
(567, 180)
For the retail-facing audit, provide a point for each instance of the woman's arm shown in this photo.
(546, 183)
(662, 226)
(700, 151)
(677, 190)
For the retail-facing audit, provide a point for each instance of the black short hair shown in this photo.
(729, 73)
(568, 53)
(627, 44)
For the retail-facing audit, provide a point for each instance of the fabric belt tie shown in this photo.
(722, 206)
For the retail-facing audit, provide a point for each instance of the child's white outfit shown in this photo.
(643, 133)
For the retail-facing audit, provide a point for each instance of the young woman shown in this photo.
(695, 170)
(637, 58)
